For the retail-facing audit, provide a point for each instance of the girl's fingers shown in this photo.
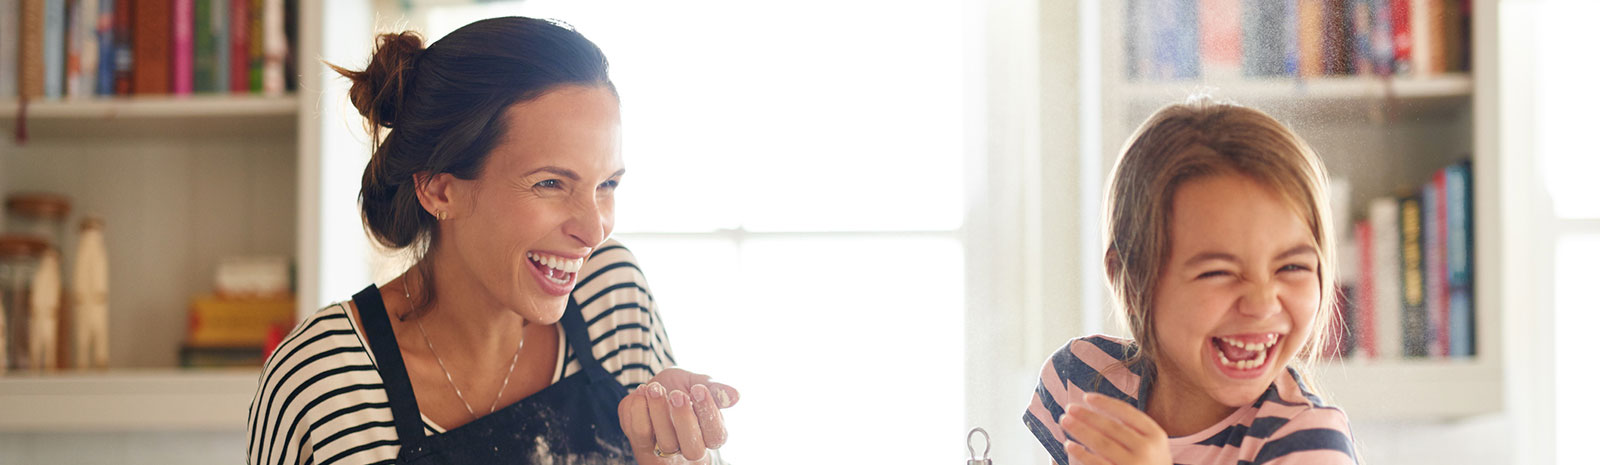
(1079, 454)
(686, 426)
(1126, 414)
(710, 416)
(661, 418)
(1086, 432)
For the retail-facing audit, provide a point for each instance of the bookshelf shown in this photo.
(1380, 135)
(181, 181)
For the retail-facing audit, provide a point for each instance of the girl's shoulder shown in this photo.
(1096, 363)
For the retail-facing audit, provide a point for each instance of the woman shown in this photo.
(521, 330)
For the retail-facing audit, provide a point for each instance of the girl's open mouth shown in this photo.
(1244, 356)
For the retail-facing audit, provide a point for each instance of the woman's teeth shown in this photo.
(557, 269)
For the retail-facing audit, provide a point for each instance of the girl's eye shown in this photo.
(1212, 274)
(1294, 267)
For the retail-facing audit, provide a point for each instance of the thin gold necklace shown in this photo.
(407, 286)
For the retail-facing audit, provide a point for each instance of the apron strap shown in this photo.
(578, 339)
(402, 400)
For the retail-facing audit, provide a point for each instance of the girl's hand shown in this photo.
(678, 415)
(1111, 432)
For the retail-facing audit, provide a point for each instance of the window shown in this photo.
(795, 194)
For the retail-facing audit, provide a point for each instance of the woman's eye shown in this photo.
(548, 184)
(611, 184)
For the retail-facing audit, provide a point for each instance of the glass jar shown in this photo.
(19, 260)
(39, 214)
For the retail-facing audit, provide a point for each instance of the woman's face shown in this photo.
(1238, 294)
(543, 202)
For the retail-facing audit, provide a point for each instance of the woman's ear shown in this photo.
(436, 193)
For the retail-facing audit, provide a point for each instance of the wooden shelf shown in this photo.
(1334, 98)
(154, 115)
(1387, 390)
(127, 400)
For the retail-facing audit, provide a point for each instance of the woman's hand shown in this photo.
(1111, 432)
(677, 413)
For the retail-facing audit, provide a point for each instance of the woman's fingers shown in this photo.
(706, 410)
(686, 425)
(724, 395)
(661, 418)
(634, 413)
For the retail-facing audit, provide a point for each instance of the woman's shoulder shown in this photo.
(324, 341)
(624, 324)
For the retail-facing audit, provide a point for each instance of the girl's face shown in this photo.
(1238, 294)
(543, 202)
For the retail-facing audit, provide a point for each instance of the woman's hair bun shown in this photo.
(379, 91)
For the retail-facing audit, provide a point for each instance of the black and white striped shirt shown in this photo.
(321, 401)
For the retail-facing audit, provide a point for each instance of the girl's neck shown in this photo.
(1180, 407)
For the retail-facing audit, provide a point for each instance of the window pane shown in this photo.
(1575, 319)
(854, 344)
(1566, 107)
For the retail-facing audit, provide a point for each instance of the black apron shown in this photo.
(572, 421)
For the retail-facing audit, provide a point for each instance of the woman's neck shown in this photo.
(462, 313)
(1179, 406)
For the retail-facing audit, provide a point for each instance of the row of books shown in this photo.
(1221, 39)
(1413, 292)
(55, 49)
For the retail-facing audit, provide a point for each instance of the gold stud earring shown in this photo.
(443, 215)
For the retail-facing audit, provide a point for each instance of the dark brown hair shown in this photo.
(437, 109)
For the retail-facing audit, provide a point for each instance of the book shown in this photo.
(1338, 45)
(1312, 48)
(205, 48)
(215, 321)
(55, 48)
(220, 357)
(88, 36)
(1459, 235)
(1221, 39)
(274, 48)
(152, 46)
(1400, 28)
(239, 46)
(1263, 38)
(9, 50)
(1384, 216)
(257, 46)
(182, 47)
(30, 55)
(105, 81)
(1366, 294)
(221, 20)
(1437, 275)
(122, 35)
(1290, 51)
(72, 71)
(1414, 317)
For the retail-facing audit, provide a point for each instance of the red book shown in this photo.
(1400, 26)
(239, 46)
(1439, 264)
(152, 46)
(1366, 296)
(183, 47)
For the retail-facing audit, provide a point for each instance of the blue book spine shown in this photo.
(106, 82)
(1458, 206)
(1291, 37)
(55, 48)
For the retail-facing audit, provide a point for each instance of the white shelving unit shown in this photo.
(1379, 134)
(181, 182)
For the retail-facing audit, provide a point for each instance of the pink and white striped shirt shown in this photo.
(1287, 424)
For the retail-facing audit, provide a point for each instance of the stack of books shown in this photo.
(1413, 295)
(55, 49)
(1221, 39)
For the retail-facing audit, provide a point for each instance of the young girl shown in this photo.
(1220, 254)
